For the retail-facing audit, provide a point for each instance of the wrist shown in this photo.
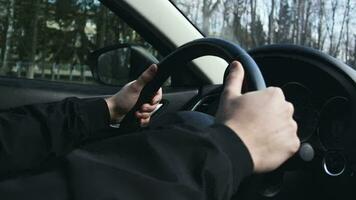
(243, 134)
(241, 160)
(113, 110)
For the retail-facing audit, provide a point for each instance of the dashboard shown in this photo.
(323, 95)
(323, 92)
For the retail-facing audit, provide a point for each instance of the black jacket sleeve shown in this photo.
(29, 135)
(174, 162)
(171, 162)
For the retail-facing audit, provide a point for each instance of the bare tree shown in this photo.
(231, 14)
(102, 22)
(31, 67)
(347, 40)
(284, 23)
(195, 15)
(253, 7)
(330, 28)
(295, 29)
(305, 37)
(346, 14)
(354, 53)
(321, 15)
(9, 32)
(209, 6)
(270, 36)
(227, 9)
(239, 32)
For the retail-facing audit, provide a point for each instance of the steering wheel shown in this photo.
(188, 52)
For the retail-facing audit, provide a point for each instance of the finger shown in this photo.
(148, 107)
(146, 76)
(234, 80)
(158, 97)
(142, 115)
(145, 115)
(144, 122)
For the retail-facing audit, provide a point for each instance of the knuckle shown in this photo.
(276, 91)
(152, 108)
(294, 140)
(270, 89)
(273, 90)
(293, 125)
(138, 114)
(290, 108)
(156, 99)
(158, 95)
(145, 107)
(296, 145)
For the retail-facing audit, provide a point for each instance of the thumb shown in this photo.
(146, 76)
(234, 80)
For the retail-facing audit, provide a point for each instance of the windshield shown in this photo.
(326, 25)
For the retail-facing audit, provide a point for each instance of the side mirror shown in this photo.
(119, 64)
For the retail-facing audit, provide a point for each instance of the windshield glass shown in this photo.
(326, 25)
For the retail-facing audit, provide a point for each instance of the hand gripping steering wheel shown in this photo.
(188, 52)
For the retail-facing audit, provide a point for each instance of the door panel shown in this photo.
(16, 92)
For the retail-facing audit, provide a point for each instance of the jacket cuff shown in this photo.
(236, 150)
(96, 115)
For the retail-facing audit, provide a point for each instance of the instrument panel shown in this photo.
(322, 127)
(324, 111)
(323, 92)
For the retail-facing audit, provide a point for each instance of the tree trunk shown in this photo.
(205, 27)
(320, 24)
(306, 36)
(43, 70)
(197, 12)
(9, 32)
(354, 54)
(347, 41)
(334, 5)
(82, 73)
(103, 26)
(300, 14)
(346, 14)
(207, 10)
(271, 23)
(31, 68)
(53, 68)
(295, 30)
(253, 22)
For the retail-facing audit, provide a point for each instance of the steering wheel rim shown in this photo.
(188, 52)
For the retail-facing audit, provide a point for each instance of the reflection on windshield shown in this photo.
(327, 25)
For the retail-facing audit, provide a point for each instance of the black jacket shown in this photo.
(46, 152)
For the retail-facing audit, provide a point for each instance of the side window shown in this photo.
(51, 39)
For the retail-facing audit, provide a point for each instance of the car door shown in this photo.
(45, 52)
(45, 59)
(45, 48)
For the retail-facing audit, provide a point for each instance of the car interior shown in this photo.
(321, 88)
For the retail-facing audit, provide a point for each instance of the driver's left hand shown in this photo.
(123, 101)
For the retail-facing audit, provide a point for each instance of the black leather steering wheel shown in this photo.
(192, 50)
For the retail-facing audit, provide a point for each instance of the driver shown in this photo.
(252, 133)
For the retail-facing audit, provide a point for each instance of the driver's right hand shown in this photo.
(262, 119)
